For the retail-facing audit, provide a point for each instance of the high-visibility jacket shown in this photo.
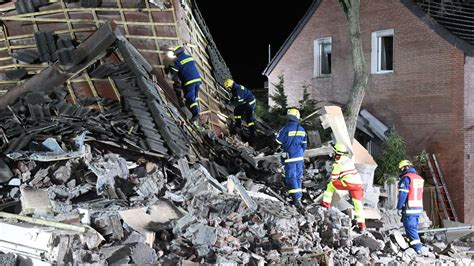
(186, 68)
(242, 95)
(410, 196)
(344, 170)
(292, 137)
(415, 195)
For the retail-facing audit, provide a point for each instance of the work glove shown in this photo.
(399, 212)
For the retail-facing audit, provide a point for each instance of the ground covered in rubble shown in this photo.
(145, 210)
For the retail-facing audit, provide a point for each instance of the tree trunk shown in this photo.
(351, 9)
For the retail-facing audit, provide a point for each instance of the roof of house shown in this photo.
(455, 16)
(452, 20)
(296, 31)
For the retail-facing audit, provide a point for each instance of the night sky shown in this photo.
(233, 23)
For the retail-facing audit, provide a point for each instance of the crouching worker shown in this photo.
(244, 102)
(344, 176)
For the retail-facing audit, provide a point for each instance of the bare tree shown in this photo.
(351, 9)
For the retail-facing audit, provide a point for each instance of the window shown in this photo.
(322, 57)
(382, 51)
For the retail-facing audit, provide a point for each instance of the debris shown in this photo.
(8, 259)
(369, 242)
(399, 239)
(35, 201)
(56, 154)
(160, 212)
(332, 117)
(5, 172)
(243, 193)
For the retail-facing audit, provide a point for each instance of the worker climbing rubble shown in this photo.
(244, 101)
(172, 73)
(293, 140)
(186, 70)
(410, 201)
(344, 176)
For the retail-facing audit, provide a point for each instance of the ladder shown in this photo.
(447, 208)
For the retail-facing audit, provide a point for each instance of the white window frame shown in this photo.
(317, 56)
(376, 52)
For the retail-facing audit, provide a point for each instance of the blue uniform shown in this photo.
(410, 215)
(245, 103)
(292, 137)
(185, 67)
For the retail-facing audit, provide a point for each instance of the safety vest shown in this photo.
(344, 169)
(415, 193)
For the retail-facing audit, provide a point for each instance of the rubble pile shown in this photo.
(100, 195)
(130, 181)
(147, 211)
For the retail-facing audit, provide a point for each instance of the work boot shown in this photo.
(299, 205)
(325, 204)
(194, 118)
(360, 228)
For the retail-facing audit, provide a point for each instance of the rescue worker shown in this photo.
(173, 75)
(292, 138)
(244, 102)
(185, 67)
(410, 201)
(344, 176)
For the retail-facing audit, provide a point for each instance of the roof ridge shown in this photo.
(299, 27)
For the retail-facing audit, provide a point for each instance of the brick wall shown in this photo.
(469, 139)
(424, 97)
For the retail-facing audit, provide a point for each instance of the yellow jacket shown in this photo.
(344, 169)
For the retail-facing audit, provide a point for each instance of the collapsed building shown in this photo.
(100, 166)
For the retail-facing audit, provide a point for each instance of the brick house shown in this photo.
(420, 55)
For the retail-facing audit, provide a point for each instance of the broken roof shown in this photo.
(452, 20)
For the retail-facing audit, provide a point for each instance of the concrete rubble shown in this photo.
(134, 183)
(128, 208)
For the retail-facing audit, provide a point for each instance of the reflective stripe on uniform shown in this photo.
(252, 102)
(238, 117)
(192, 81)
(175, 69)
(415, 203)
(187, 60)
(296, 190)
(414, 211)
(414, 242)
(327, 196)
(251, 124)
(296, 133)
(279, 142)
(297, 159)
(241, 100)
(404, 190)
(242, 87)
(193, 104)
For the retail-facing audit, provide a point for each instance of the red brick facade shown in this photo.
(424, 98)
